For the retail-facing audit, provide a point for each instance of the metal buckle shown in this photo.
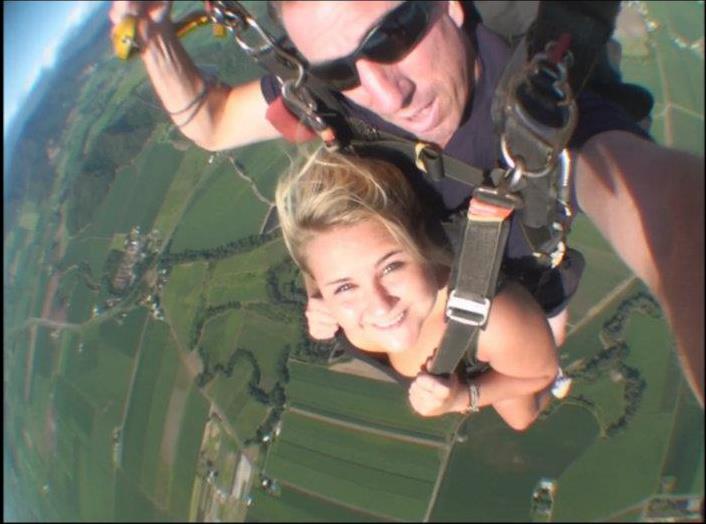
(475, 309)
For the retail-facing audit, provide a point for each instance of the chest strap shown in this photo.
(474, 277)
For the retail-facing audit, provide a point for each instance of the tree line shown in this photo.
(612, 359)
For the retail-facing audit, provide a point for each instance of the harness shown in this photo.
(534, 113)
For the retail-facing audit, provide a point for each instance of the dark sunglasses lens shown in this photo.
(397, 35)
(339, 74)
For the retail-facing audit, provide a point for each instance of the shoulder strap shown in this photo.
(474, 277)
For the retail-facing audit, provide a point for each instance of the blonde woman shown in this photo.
(354, 227)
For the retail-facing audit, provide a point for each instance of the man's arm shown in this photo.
(224, 117)
(648, 202)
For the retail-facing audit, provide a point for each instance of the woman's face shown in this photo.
(379, 294)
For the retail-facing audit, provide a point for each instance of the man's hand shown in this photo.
(156, 11)
(319, 320)
(431, 396)
(146, 13)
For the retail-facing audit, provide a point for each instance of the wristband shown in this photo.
(473, 396)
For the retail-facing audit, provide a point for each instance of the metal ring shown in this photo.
(507, 156)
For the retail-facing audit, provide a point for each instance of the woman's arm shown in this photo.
(519, 346)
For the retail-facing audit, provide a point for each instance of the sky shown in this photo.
(32, 33)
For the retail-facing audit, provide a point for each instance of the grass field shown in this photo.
(44, 351)
(685, 456)
(250, 417)
(295, 506)
(96, 486)
(224, 210)
(182, 296)
(92, 250)
(366, 449)
(124, 334)
(192, 169)
(361, 486)
(164, 378)
(265, 162)
(144, 395)
(81, 303)
(231, 393)
(184, 471)
(369, 402)
(631, 459)
(137, 193)
(491, 476)
(73, 407)
(242, 276)
(107, 379)
(267, 340)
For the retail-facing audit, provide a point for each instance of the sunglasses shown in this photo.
(389, 41)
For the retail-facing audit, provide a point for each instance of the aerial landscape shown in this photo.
(156, 363)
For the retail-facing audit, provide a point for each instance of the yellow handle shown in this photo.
(124, 43)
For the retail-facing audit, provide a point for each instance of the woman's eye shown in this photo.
(342, 288)
(391, 267)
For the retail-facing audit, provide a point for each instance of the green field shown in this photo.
(242, 276)
(295, 506)
(144, 395)
(91, 250)
(221, 333)
(100, 370)
(190, 172)
(223, 211)
(360, 486)
(193, 421)
(182, 298)
(369, 402)
(491, 476)
(381, 453)
(231, 393)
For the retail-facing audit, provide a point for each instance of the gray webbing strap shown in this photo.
(428, 158)
(474, 279)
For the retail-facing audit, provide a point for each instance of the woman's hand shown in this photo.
(321, 323)
(431, 396)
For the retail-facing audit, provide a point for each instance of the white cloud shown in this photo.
(49, 52)
(30, 79)
(77, 14)
(9, 112)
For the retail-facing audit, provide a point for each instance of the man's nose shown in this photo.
(381, 301)
(388, 90)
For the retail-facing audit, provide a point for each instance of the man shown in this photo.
(646, 200)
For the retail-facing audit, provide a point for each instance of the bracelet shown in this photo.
(206, 86)
(473, 395)
(199, 101)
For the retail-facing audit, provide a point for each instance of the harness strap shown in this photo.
(427, 157)
(474, 278)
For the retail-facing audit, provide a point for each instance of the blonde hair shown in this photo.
(324, 190)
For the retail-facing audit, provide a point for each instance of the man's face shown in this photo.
(375, 289)
(424, 93)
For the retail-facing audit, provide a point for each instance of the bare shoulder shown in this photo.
(515, 318)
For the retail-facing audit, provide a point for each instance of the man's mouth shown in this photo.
(392, 323)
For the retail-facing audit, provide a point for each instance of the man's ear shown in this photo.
(456, 12)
